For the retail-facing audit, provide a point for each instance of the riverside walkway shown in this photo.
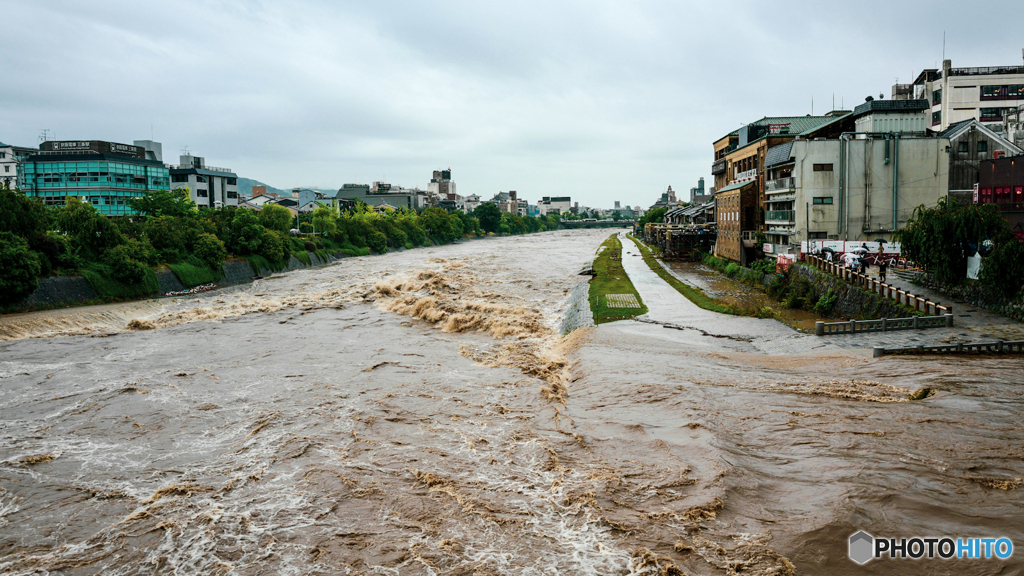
(667, 306)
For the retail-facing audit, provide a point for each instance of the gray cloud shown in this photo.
(603, 101)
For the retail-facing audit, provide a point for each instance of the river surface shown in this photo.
(418, 413)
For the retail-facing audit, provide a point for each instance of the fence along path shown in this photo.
(881, 288)
(883, 325)
(997, 347)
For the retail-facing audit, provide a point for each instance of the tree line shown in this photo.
(119, 256)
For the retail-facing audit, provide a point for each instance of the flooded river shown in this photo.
(418, 413)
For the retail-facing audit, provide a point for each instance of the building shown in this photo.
(740, 155)
(858, 187)
(384, 195)
(667, 200)
(11, 158)
(1013, 126)
(1001, 182)
(471, 202)
(735, 213)
(104, 174)
(554, 205)
(698, 195)
(970, 143)
(208, 186)
(985, 93)
(904, 116)
(441, 184)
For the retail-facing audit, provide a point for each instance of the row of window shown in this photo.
(117, 167)
(118, 181)
(966, 146)
(994, 114)
(1004, 92)
(822, 167)
(1000, 194)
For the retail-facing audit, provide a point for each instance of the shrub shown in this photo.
(377, 241)
(826, 303)
(21, 269)
(732, 269)
(277, 218)
(272, 245)
(210, 250)
(309, 246)
(123, 267)
(194, 272)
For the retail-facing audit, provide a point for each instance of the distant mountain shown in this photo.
(245, 187)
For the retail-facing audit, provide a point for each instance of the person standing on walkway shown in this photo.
(882, 266)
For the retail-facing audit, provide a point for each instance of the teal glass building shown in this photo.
(104, 174)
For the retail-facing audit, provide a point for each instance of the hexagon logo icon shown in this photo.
(862, 547)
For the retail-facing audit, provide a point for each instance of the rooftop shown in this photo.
(891, 106)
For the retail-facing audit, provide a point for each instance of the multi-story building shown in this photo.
(666, 200)
(970, 143)
(208, 186)
(1013, 126)
(441, 184)
(740, 155)
(472, 201)
(857, 187)
(735, 210)
(1002, 183)
(554, 205)
(957, 94)
(384, 194)
(11, 158)
(105, 174)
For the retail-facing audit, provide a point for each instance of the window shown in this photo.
(822, 167)
(993, 114)
(1005, 92)
(982, 146)
(232, 181)
(822, 200)
(7, 168)
(179, 178)
(201, 193)
(937, 97)
(817, 235)
(964, 147)
(936, 118)
(232, 194)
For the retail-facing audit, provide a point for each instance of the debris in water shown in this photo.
(36, 459)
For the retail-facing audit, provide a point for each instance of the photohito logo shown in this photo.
(864, 547)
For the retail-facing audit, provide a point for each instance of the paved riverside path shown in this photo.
(975, 322)
(667, 306)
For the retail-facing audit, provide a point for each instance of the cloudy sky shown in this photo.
(601, 101)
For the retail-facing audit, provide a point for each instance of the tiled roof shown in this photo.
(735, 186)
(778, 154)
(955, 127)
(797, 124)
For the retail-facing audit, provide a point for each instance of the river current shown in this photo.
(419, 413)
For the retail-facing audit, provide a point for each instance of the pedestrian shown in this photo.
(882, 266)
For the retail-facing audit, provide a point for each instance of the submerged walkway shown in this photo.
(667, 306)
(768, 336)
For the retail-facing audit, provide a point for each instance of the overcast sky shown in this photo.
(601, 101)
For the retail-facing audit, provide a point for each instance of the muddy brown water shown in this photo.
(416, 413)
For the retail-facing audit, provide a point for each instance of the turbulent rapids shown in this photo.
(418, 413)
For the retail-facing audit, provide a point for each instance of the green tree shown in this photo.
(437, 224)
(1003, 270)
(489, 216)
(274, 217)
(123, 267)
(940, 239)
(176, 203)
(656, 216)
(210, 249)
(21, 215)
(246, 232)
(20, 267)
(91, 232)
(324, 221)
(377, 241)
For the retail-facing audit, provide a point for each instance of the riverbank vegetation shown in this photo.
(610, 279)
(119, 256)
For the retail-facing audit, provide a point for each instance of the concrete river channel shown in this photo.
(420, 413)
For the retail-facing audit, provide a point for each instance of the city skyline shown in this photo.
(601, 103)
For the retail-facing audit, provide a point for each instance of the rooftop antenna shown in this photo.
(812, 105)
(943, 46)
(44, 136)
(184, 151)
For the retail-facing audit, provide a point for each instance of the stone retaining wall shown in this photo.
(577, 311)
(168, 281)
(236, 272)
(57, 290)
(972, 292)
(851, 302)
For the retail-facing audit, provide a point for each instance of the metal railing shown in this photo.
(881, 288)
(786, 198)
(781, 184)
(787, 216)
(883, 324)
(986, 70)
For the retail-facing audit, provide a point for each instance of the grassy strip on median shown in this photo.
(610, 278)
(693, 294)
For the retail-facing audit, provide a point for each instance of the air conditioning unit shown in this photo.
(999, 153)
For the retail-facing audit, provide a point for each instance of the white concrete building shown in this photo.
(860, 187)
(554, 205)
(10, 161)
(956, 94)
(471, 202)
(208, 186)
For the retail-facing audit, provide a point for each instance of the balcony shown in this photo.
(780, 185)
(718, 167)
(786, 198)
(780, 217)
